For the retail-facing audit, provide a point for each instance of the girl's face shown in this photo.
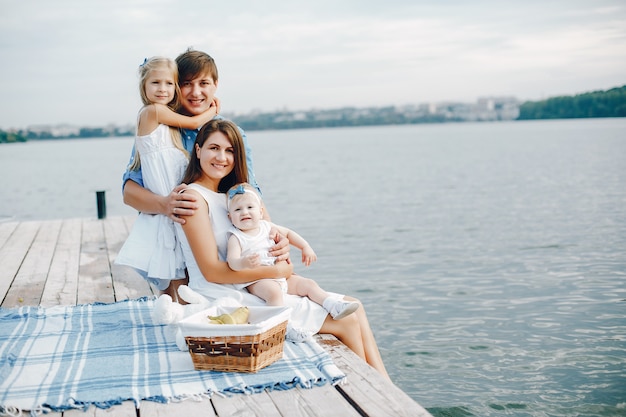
(217, 157)
(160, 86)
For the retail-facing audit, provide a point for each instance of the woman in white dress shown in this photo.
(217, 163)
(152, 247)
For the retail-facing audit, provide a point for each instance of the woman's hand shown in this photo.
(180, 204)
(281, 249)
(284, 269)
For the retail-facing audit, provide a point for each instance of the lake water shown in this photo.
(490, 257)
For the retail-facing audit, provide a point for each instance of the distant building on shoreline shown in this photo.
(485, 109)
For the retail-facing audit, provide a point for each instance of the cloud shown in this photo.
(76, 62)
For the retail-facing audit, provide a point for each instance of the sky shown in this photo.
(75, 61)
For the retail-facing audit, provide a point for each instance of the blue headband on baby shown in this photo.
(240, 189)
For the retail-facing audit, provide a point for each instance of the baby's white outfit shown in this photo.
(152, 246)
(259, 243)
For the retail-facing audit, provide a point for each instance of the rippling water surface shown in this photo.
(491, 258)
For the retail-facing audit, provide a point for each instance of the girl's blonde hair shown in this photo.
(145, 69)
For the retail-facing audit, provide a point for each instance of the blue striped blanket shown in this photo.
(67, 357)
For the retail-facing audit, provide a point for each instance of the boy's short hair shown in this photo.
(192, 64)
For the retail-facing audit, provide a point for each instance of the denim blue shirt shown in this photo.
(189, 138)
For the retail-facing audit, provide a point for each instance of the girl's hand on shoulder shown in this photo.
(217, 104)
(209, 114)
(180, 204)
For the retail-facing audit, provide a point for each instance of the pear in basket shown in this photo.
(239, 316)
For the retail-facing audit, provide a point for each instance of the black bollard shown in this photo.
(102, 204)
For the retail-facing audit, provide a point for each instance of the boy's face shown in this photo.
(197, 94)
(245, 211)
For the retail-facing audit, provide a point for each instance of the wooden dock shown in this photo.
(69, 262)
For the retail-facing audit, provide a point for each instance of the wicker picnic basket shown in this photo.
(236, 347)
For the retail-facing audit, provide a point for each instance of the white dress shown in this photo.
(260, 244)
(152, 246)
(306, 314)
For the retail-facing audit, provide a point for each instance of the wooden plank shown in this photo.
(12, 255)
(257, 405)
(189, 407)
(126, 409)
(94, 276)
(62, 283)
(127, 283)
(30, 280)
(6, 230)
(375, 395)
(27, 413)
(317, 401)
(25, 232)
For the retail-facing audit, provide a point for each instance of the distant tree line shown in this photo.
(609, 103)
(9, 137)
(43, 133)
(83, 132)
(343, 117)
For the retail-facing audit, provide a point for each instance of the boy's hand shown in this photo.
(180, 204)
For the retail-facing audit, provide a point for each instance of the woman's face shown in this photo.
(217, 157)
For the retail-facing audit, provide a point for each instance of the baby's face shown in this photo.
(245, 211)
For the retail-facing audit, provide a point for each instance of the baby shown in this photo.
(248, 246)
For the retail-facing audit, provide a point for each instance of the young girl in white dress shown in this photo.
(152, 247)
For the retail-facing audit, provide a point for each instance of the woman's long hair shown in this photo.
(240, 170)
